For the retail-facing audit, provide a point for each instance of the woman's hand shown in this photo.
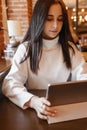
(42, 107)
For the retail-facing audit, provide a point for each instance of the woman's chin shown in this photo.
(50, 37)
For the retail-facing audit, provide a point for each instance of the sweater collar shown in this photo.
(48, 44)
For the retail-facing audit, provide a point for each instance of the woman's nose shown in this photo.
(55, 24)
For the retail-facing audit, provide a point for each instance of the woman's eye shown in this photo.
(60, 19)
(49, 19)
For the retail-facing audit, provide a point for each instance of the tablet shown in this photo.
(67, 92)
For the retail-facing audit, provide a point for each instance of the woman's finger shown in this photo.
(42, 116)
(47, 110)
(45, 101)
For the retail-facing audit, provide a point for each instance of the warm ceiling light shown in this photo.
(85, 17)
(82, 10)
(74, 9)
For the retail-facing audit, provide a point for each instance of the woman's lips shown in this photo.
(54, 31)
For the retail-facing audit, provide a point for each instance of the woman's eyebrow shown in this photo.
(49, 15)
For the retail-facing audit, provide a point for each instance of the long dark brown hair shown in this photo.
(34, 33)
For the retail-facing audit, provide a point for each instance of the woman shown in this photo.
(47, 55)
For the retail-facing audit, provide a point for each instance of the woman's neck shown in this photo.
(48, 44)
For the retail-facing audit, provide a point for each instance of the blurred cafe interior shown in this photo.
(15, 16)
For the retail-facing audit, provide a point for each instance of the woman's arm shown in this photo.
(14, 89)
(13, 85)
(79, 66)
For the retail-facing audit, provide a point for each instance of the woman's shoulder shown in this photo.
(73, 48)
(73, 45)
(75, 54)
(21, 51)
(23, 45)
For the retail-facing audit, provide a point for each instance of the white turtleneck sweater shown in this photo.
(52, 69)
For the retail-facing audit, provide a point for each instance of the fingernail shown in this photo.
(53, 114)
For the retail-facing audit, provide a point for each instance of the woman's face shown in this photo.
(54, 22)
